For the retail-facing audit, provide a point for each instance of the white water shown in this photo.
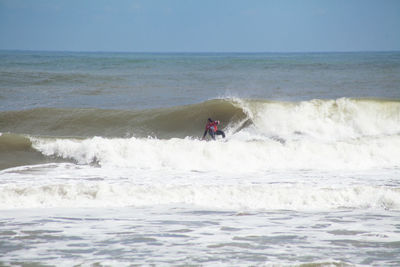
(327, 120)
(122, 216)
(235, 155)
(329, 155)
(308, 182)
(273, 191)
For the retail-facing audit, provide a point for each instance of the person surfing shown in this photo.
(212, 129)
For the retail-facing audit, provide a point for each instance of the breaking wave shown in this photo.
(231, 197)
(261, 135)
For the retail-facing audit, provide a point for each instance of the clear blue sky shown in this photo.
(200, 25)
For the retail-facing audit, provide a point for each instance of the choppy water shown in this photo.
(102, 161)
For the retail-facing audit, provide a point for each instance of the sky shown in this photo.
(200, 25)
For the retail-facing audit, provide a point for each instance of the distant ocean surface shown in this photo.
(102, 162)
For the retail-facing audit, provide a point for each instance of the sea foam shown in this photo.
(230, 156)
(228, 197)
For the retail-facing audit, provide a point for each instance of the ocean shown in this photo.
(102, 161)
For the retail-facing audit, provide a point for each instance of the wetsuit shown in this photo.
(212, 129)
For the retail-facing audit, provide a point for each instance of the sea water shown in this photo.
(102, 161)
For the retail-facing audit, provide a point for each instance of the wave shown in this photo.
(230, 197)
(235, 155)
(18, 150)
(12, 142)
(261, 135)
(188, 154)
(180, 121)
(339, 119)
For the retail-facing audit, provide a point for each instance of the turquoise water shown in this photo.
(102, 162)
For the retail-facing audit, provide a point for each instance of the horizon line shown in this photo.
(199, 52)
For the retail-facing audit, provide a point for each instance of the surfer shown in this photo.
(212, 129)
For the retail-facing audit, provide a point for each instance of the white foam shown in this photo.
(231, 197)
(339, 119)
(235, 155)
